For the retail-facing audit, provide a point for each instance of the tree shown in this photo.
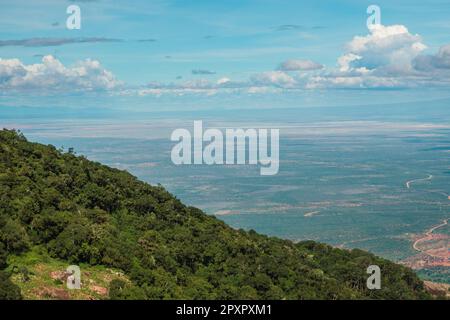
(13, 234)
(3, 256)
(120, 290)
(8, 290)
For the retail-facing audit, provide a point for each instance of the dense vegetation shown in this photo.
(82, 211)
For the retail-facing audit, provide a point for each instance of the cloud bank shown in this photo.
(51, 75)
(387, 57)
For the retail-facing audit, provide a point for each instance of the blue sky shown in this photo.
(191, 48)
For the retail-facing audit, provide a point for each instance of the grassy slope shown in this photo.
(42, 284)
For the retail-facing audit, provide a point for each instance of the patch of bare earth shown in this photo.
(437, 289)
(99, 290)
(51, 293)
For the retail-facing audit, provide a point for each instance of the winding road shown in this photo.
(408, 183)
(428, 235)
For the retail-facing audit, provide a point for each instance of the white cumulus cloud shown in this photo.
(52, 75)
(273, 78)
(389, 48)
(388, 57)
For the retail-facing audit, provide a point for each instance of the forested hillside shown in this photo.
(80, 211)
